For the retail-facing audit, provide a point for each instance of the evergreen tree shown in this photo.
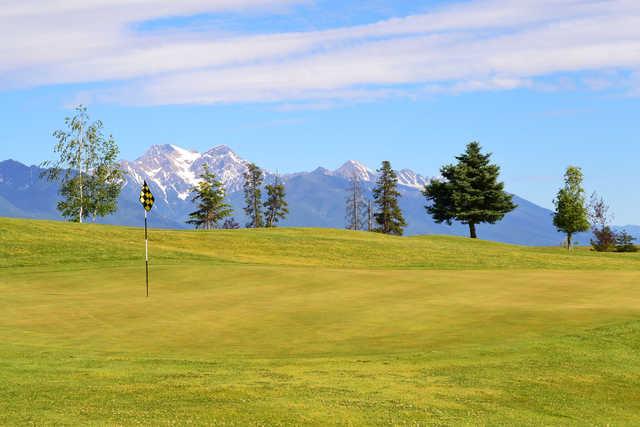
(276, 207)
(624, 242)
(469, 192)
(253, 179)
(87, 166)
(209, 195)
(388, 215)
(230, 224)
(571, 215)
(356, 205)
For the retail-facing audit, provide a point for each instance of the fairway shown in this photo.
(310, 326)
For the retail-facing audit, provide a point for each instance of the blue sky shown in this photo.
(293, 84)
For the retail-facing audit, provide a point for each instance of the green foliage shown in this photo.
(388, 215)
(276, 206)
(87, 166)
(469, 191)
(624, 242)
(253, 179)
(209, 195)
(571, 215)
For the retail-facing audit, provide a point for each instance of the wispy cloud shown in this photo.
(470, 46)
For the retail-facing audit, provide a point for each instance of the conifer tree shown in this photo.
(230, 224)
(356, 205)
(276, 206)
(468, 191)
(209, 195)
(253, 179)
(624, 242)
(388, 215)
(571, 215)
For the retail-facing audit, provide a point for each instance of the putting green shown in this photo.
(307, 326)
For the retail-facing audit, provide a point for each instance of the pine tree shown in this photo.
(624, 242)
(571, 215)
(276, 206)
(87, 166)
(253, 179)
(209, 195)
(388, 215)
(468, 192)
(356, 205)
(230, 224)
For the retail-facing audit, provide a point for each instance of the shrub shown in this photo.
(605, 239)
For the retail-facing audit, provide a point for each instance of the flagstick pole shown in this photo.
(146, 251)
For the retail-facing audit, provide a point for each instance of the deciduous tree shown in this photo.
(88, 168)
(571, 215)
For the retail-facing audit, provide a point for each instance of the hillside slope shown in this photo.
(53, 243)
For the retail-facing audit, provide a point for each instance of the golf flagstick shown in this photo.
(146, 199)
(146, 252)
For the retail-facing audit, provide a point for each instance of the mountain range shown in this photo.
(316, 198)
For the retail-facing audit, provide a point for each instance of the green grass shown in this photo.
(310, 326)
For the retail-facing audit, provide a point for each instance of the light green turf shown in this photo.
(308, 326)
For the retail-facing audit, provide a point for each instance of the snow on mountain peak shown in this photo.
(353, 168)
(409, 178)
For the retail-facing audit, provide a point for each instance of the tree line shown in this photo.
(214, 212)
(468, 191)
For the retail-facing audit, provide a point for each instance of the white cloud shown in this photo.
(471, 46)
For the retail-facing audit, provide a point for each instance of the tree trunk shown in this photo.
(569, 238)
(472, 231)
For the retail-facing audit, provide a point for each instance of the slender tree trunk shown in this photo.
(472, 231)
(569, 241)
(355, 207)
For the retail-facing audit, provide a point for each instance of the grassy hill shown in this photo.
(311, 326)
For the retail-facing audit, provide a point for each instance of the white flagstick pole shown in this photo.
(146, 251)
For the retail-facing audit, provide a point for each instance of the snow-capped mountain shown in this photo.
(353, 168)
(175, 170)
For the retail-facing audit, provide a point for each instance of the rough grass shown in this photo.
(319, 327)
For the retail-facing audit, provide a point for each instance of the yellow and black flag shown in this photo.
(146, 198)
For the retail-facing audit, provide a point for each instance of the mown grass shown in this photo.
(39, 243)
(318, 327)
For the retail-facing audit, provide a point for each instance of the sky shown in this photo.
(296, 84)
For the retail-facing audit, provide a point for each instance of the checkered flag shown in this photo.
(146, 198)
